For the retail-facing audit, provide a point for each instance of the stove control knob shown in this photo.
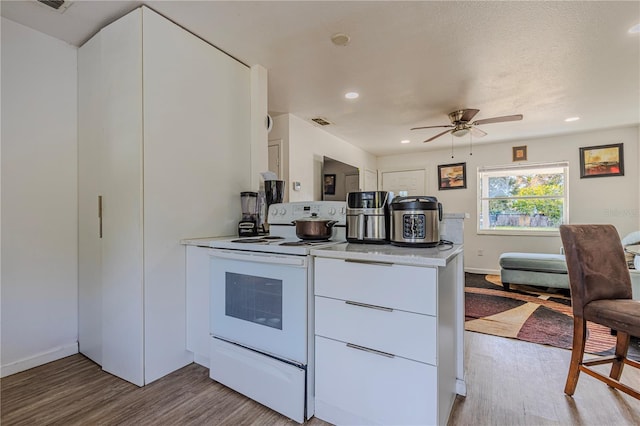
(274, 212)
(343, 210)
(283, 211)
(332, 211)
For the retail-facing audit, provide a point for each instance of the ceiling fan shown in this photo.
(461, 123)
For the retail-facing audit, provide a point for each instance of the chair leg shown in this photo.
(577, 354)
(622, 346)
(506, 286)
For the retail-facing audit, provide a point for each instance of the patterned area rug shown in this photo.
(532, 314)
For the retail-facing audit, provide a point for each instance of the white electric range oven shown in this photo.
(262, 310)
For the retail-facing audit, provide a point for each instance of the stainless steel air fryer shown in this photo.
(368, 217)
(415, 221)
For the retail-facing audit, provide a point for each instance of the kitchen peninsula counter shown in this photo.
(389, 319)
(412, 256)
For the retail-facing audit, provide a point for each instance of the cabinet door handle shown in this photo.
(369, 262)
(100, 215)
(373, 351)
(366, 305)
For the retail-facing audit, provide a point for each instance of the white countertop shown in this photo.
(412, 256)
(203, 242)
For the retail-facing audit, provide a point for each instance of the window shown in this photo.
(528, 199)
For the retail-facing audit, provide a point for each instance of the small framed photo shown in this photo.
(520, 153)
(330, 184)
(601, 161)
(452, 176)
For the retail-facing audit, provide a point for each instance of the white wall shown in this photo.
(612, 200)
(39, 199)
(307, 145)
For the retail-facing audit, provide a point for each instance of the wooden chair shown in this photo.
(600, 287)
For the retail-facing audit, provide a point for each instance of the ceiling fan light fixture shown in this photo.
(460, 132)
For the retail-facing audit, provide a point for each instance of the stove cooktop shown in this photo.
(280, 245)
(282, 238)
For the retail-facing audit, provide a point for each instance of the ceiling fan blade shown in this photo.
(469, 114)
(477, 133)
(430, 127)
(437, 136)
(515, 117)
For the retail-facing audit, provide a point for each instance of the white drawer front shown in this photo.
(408, 288)
(405, 334)
(359, 387)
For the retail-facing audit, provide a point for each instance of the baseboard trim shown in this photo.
(482, 271)
(201, 360)
(39, 359)
(461, 387)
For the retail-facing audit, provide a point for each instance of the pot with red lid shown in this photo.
(314, 228)
(415, 221)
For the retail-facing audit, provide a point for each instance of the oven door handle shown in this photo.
(271, 258)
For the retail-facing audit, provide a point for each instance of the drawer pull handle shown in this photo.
(373, 351)
(366, 305)
(369, 262)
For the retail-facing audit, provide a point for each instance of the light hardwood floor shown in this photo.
(509, 382)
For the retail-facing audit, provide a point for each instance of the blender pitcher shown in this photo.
(248, 225)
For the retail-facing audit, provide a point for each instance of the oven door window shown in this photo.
(253, 298)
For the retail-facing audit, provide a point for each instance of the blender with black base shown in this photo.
(248, 225)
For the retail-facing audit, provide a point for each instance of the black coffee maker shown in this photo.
(273, 194)
(248, 225)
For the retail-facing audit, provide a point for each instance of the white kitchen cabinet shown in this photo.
(385, 339)
(164, 139)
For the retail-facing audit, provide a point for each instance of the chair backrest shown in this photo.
(596, 264)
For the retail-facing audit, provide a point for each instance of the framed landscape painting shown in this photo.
(600, 161)
(519, 153)
(452, 176)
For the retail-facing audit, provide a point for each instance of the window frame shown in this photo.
(487, 171)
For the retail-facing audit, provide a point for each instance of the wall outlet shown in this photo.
(480, 253)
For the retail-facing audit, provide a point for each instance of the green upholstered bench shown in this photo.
(537, 269)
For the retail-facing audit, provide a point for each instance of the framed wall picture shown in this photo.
(600, 161)
(330, 184)
(519, 153)
(452, 176)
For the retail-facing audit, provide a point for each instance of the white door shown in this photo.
(122, 248)
(275, 157)
(412, 181)
(90, 142)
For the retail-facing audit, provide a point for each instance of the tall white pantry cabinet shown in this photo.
(164, 148)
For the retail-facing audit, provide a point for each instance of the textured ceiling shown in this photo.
(412, 62)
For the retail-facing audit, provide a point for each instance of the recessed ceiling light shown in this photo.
(405, 141)
(351, 95)
(635, 29)
(570, 119)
